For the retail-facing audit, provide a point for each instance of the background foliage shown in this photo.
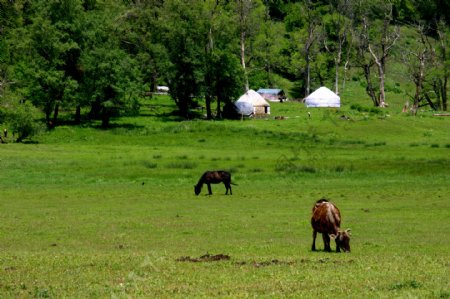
(96, 58)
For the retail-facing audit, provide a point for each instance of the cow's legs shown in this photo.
(228, 186)
(209, 189)
(326, 242)
(338, 249)
(314, 240)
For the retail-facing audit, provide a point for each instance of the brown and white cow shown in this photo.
(326, 219)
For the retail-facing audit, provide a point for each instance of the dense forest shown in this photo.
(98, 58)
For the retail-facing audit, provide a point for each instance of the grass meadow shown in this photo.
(91, 213)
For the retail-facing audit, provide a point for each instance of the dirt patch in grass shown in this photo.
(257, 264)
(264, 263)
(204, 258)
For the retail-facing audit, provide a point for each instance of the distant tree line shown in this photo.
(101, 56)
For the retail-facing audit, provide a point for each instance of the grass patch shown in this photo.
(149, 164)
(182, 165)
(360, 108)
(90, 213)
(409, 284)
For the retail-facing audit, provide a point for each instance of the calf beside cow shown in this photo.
(326, 219)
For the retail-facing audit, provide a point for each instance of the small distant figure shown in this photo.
(309, 115)
(405, 107)
(214, 177)
(326, 219)
(5, 133)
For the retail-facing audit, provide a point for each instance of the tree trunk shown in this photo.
(55, 113)
(95, 111)
(247, 87)
(419, 82)
(381, 100)
(244, 9)
(442, 40)
(183, 105)
(48, 119)
(307, 76)
(308, 46)
(105, 118)
(336, 78)
(382, 97)
(219, 113)
(369, 89)
(444, 94)
(387, 41)
(78, 115)
(345, 74)
(430, 102)
(208, 106)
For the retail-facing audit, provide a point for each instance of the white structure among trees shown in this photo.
(323, 97)
(260, 105)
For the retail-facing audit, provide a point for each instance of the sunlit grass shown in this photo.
(94, 213)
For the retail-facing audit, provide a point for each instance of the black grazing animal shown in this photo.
(326, 219)
(214, 177)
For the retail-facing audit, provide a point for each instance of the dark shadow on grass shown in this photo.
(126, 126)
(29, 142)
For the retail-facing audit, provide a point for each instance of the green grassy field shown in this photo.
(89, 213)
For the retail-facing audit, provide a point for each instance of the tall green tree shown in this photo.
(9, 19)
(268, 59)
(141, 36)
(250, 14)
(199, 38)
(376, 37)
(337, 27)
(111, 80)
(223, 73)
(46, 53)
(185, 40)
(442, 74)
(304, 24)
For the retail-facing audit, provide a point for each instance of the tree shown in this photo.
(184, 40)
(9, 20)
(418, 58)
(249, 13)
(363, 59)
(199, 39)
(268, 59)
(377, 39)
(311, 38)
(46, 53)
(304, 25)
(223, 73)
(111, 80)
(337, 27)
(443, 66)
(141, 36)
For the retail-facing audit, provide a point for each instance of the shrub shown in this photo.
(23, 121)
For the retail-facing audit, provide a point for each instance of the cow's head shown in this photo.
(342, 239)
(197, 189)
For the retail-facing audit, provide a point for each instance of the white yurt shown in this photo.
(260, 106)
(323, 97)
